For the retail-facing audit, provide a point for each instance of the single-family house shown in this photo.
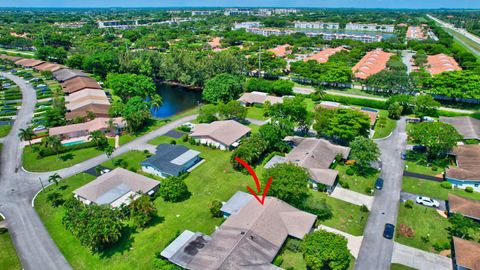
(221, 134)
(466, 254)
(65, 74)
(105, 125)
(170, 160)
(116, 188)
(316, 156)
(323, 55)
(467, 171)
(252, 98)
(248, 239)
(47, 66)
(235, 203)
(79, 83)
(97, 110)
(10, 58)
(467, 207)
(467, 126)
(281, 50)
(85, 97)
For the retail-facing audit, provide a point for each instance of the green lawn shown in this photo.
(154, 124)
(425, 222)
(397, 266)
(255, 113)
(466, 40)
(356, 182)
(4, 130)
(310, 104)
(416, 163)
(433, 189)
(52, 163)
(353, 91)
(132, 160)
(384, 125)
(347, 217)
(254, 128)
(8, 256)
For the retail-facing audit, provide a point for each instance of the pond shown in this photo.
(176, 99)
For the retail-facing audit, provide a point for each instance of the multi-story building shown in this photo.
(362, 38)
(237, 11)
(416, 32)
(370, 27)
(317, 25)
(124, 24)
(269, 31)
(246, 25)
(203, 12)
(284, 10)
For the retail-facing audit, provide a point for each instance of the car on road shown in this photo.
(39, 128)
(388, 231)
(403, 156)
(104, 171)
(379, 184)
(427, 201)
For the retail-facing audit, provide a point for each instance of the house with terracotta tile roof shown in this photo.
(323, 55)
(440, 63)
(372, 63)
(466, 254)
(467, 171)
(98, 110)
(215, 42)
(221, 134)
(467, 207)
(28, 63)
(415, 32)
(47, 66)
(281, 50)
(79, 83)
(10, 58)
(84, 129)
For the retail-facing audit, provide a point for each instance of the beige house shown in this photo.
(252, 98)
(248, 239)
(467, 254)
(116, 188)
(85, 97)
(28, 63)
(220, 134)
(467, 126)
(84, 129)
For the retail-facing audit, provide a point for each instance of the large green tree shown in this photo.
(439, 138)
(136, 112)
(174, 189)
(232, 110)
(343, 125)
(425, 105)
(128, 85)
(142, 210)
(364, 151)
(223, 87)
(289, 183)
(325, 250)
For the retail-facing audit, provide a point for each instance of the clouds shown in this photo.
(413, 4)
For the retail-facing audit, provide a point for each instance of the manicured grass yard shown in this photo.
(255, 113)
(347, 217)
(310, 104)
(384, 125)
(416, 167)
(295, 260)
(356, 182)
(4, 130)
(254, 128)
(424, 221)
(51, 163)
(8, 256)
(433, 189)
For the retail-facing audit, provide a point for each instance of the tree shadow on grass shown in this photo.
(124, 244)
(66, 157)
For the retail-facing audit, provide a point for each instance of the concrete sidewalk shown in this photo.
(419, 259)
(354, 242)
(352, 197)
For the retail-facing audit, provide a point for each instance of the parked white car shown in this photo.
(427, 201)
(104, 171)
(39, 128)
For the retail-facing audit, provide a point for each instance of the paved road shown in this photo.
(376, 251)
(352, 197)
(34, 245)
(32, 241)
(407, 58)
(410, 196)
(419, 259)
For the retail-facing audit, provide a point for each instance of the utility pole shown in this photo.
(41, 183)
(259, 61)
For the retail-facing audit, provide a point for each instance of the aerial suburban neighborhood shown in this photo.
(188, 135)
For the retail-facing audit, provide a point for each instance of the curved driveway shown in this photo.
(34, 245)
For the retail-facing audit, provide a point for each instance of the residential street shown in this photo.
(34, 245)
(419, 259)
(376, 251)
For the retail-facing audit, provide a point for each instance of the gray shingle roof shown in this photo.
(66, 74)
(169, 158)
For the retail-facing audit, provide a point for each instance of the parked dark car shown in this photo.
(419, 148)
(388, 231)
(403, 156)
(379, 184)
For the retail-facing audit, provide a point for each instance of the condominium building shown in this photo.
(269, 31)
(317, 25)
(416, 32)
(246, 25)
(362, 38)
(370, 27)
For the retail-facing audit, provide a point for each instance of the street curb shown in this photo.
(1, 215)
(38, 192)
(384, 138)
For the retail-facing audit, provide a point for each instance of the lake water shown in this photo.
(175, 100)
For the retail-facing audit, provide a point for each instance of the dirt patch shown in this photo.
(446, 252)
(405, 231)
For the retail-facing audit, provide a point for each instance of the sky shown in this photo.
(412, 4)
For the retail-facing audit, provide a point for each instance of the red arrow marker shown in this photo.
(257, 182)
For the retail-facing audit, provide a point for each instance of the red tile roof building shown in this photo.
(372, 63)
(322, 56)
(415, 32)
(440, 63)
(281, 50)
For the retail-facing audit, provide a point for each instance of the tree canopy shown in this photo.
(129, 85)
(289, 183)
(223, 87)
(326, 250)
(438, 137)
(364, 151)
(341, 124)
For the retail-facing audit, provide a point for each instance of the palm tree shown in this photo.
(109, 150)
(54, 143)
(54, 178)
(26, 135)
(96, 136)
